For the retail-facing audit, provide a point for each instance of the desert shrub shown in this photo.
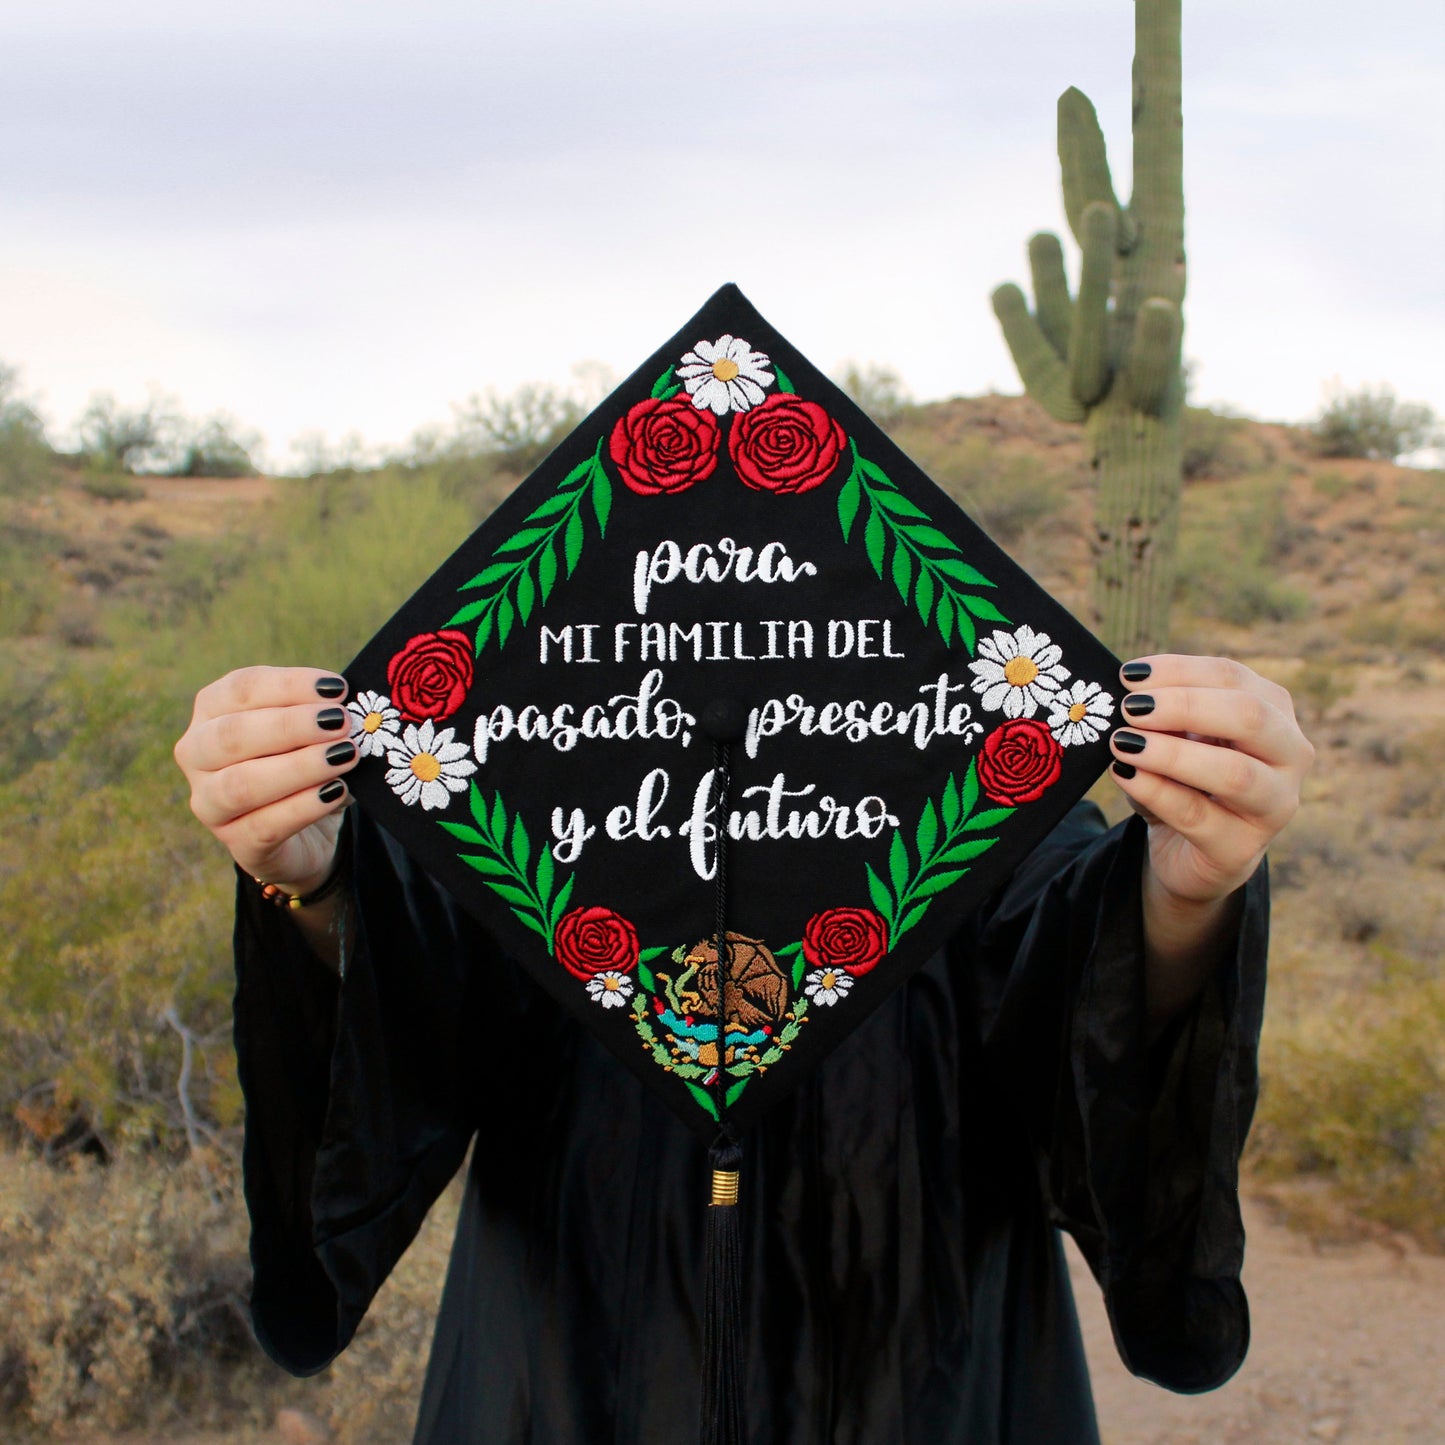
(877, 390)
(1229, 555)
(1372, 423)
(1356, 1092)
(1211, 445)
(114, 438)
(124, 1292)
(1317, 685)
(112, 487)
(519, 429)
(214, 448)
(27, 464)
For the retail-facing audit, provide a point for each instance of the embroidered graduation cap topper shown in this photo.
(726, 718)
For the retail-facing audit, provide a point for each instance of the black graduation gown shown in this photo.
(905, 1281)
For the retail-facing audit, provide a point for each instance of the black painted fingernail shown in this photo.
(332, 719)
(1138, 704)
(1135, 671)
(331, 686)
(1128, 742)
(339, 753)
(331, 791)
(1124, 770)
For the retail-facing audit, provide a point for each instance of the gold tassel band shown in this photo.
(724, 1186)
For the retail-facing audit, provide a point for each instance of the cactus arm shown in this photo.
(1051, 290)
(1152, 371)
(1159, 124)
(1044, 376)
(1089, 338)
(1084, 166)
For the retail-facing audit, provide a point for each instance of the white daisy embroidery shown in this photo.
(427, 766)
(611, 990)
(827, 985)
(726, 375)
(1078, 713)
(374, 724)
(1018, 671)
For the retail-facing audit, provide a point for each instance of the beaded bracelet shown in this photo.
(332, 883)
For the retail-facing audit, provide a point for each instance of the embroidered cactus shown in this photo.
(1110, 355)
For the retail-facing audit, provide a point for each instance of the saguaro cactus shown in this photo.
(1109, 355)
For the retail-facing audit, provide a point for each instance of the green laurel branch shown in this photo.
(526, 565)
(926, 565)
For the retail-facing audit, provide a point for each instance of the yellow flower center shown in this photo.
(611, 983)
(725, 370)
(371, 722)
(425, 768)
(1020, 671)
(829, 979)
(1078, 712)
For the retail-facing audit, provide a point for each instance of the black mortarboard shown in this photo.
(726, 592)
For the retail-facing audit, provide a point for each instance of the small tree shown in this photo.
(213, 449)
(25, 455)
(1372, 424)
(519, 429)
(878, 390)
(117, 439)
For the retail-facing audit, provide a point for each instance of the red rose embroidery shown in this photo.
(664, 446)
(785, 445)
(853, 939)
(595, 940)
(1019, 760)
(431, 675)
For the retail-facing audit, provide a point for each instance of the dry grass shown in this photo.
(125, 1291)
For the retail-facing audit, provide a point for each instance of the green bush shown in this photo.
(1372, 423)
(877, 390)
(1356, 1093)
(27, 464)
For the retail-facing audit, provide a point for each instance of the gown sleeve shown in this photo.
(356, 1093)
(1137, 1141)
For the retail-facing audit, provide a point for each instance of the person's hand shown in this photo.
(265, 754)
(1210, 755)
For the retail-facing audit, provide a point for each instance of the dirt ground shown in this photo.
(1348, 1346)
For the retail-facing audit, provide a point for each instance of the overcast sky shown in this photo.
(346, 216)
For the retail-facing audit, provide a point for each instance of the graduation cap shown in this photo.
(721, 724)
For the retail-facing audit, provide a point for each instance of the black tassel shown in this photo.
(722, 1301)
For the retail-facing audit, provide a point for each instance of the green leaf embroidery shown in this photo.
(662, 383)
(559, 903)
(848, 499)
(963, 852)
(645, 978)
(471, 610)
(463, 833)
(493, 573)
(926, 568)
(557, 502)
(951, 808)
(547, 571)
(927, 834)
(878, 892)
(923, 594)
(546, 870)
(911, 917)
(702, 1096)
(902, 572)
(506, 615)
(898, 863)
(520, 541)
(873, 539)
(521, 844)
(970, 788)
(525, 595)
(784, 385)
(499, 823)
(988, 819)
(572, 542)
(601, 497)
(735, 1089)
